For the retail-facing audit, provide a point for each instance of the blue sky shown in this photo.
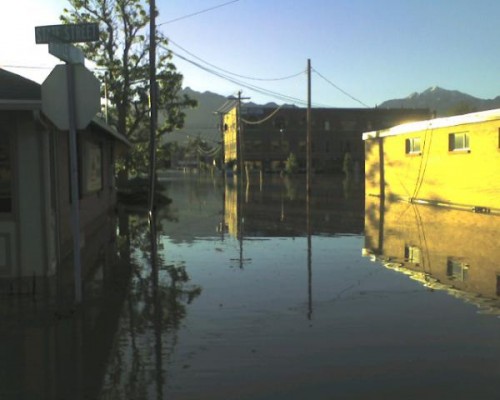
(374, 50)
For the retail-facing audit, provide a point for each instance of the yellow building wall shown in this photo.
(469, 178)
(436, 236)
(230, 123)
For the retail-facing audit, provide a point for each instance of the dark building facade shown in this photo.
(266, 137)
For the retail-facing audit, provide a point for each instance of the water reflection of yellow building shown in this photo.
(448, 249)
(450, 161)
(231, 209)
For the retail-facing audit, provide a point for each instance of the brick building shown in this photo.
(268, 135)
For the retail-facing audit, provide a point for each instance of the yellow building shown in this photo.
(444, 249)
(230, 135)
(453, 161)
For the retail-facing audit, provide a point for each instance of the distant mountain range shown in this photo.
(443, 102)
(203, 121)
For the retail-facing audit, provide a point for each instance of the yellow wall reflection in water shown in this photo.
(443, 248)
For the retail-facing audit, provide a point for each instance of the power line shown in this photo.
(232, 73)
(246, 85)
(198, 12)
(341, 90)
(262, 120)
(254, 88)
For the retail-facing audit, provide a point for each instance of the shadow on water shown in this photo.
(253, 292)
(51, 350)
(155, 306)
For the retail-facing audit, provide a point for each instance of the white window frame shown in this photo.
(410, 145)
(459, 141)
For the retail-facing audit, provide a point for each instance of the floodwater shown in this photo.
(251, 292)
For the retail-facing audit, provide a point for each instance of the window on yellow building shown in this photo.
(458, 141)
(413, 254)
(413, 146)
(5, 174)
(457, 270)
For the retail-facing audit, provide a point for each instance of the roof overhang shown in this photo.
(110, 130)
(20, 105)
(36, 105)
(472, 118)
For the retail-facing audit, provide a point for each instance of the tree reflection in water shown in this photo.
(155, 306)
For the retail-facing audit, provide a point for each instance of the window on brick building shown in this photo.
(5, 174)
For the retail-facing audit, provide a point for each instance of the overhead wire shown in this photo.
(208, 152)
(198, 12)
(234, 74)
(340, 89)
(262, 120)
(233, 80)
(249, 86)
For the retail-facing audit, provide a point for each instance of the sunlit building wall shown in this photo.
(230, 121)
(451, 161)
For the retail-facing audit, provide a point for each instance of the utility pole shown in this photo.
(309, 134)
(239, 135)
(153, 104)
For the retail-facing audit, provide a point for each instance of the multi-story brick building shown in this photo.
(267, 136)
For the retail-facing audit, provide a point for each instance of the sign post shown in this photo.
(58, 37)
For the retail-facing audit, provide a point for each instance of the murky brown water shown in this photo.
(241, 303)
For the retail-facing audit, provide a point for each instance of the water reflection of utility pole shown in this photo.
(222, 227)
(240, 227)
(309, 258)
(241, 233)
(308, 190)
(156, 305)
